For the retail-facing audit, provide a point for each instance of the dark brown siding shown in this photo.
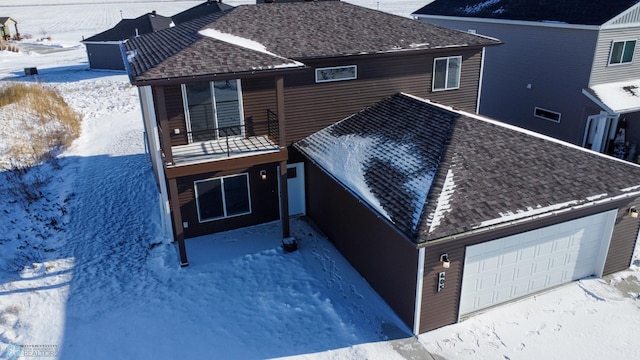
(441, 308)
(175, 113)
(623, 240)
(311, 107)
(258, 96)
(264, 201)
(386, 259)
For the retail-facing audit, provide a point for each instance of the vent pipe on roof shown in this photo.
(137, 33)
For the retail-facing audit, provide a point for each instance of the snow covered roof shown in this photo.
(434, 172)
(579, 12)
(295, 31)
(619, 97)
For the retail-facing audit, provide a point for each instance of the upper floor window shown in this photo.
(336, 73)
(446, 73)
(223, 197)
(546, 114)
(622, 52)
(213, 109)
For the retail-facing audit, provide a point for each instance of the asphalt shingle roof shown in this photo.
(582, 12)
(128, 28)
(458, 171)
(295, 31)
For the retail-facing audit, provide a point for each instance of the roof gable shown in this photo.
(435, 172)
(128, 28)
(579, 12)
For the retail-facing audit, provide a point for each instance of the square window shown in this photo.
(222, 197)
(446, 73)
(622, 52)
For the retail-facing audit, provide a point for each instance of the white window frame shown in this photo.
(535, 114)
(624, 42)
(320, 80)
(224, 204)
(446, 74)
(187, 115)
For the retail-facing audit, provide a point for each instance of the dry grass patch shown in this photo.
(43, 124)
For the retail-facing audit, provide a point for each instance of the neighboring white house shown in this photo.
(568, 68)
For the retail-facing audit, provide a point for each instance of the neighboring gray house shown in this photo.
(568, 69)
(104, 50)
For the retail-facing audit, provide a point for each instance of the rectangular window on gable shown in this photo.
(446, 73)
(337, 73)
(622, 52)
(223, 197)
(546, 114)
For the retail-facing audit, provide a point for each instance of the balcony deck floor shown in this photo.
(212, 150)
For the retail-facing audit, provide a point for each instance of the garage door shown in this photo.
(508, 268)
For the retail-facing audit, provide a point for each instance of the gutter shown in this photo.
(615, 202)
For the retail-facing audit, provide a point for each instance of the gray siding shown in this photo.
(557, 70)
(602, 72)
(105, 56)
(623, 240)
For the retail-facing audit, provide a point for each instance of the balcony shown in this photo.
(224, 143)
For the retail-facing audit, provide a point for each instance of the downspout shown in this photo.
(480, 81)
(419, 286)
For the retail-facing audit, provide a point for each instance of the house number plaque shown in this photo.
(441, 281)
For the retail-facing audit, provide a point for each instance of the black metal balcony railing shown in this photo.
(273, 126)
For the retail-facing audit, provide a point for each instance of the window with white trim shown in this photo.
(622, 52)
(223, 197)
(546, 114)
(446, 73)
(336, 73)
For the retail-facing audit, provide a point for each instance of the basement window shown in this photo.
(546, 114)
(223, 197)
(336, 73)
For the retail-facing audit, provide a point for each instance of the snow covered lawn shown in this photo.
(85, 273)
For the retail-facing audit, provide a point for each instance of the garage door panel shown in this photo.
(511, 267)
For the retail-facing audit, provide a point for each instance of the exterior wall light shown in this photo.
(263, 174)
(444, 259)
(633, 212)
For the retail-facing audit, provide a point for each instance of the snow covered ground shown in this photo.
(85, 273)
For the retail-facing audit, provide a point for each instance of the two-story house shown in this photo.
(224, 96)
(568, 68)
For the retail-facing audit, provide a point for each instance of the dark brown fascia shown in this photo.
(531, 223)
(218, 77)
(176, 171)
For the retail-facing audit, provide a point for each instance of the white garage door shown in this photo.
(518, 265)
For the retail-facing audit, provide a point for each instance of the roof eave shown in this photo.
(509, 22)
(587, 208)
(216, 77)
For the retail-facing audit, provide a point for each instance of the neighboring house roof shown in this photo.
(583, 12)
(620, 97)
(206, 8)
(5, 19)
(296, 31)
(128, 28)
(434, 172)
